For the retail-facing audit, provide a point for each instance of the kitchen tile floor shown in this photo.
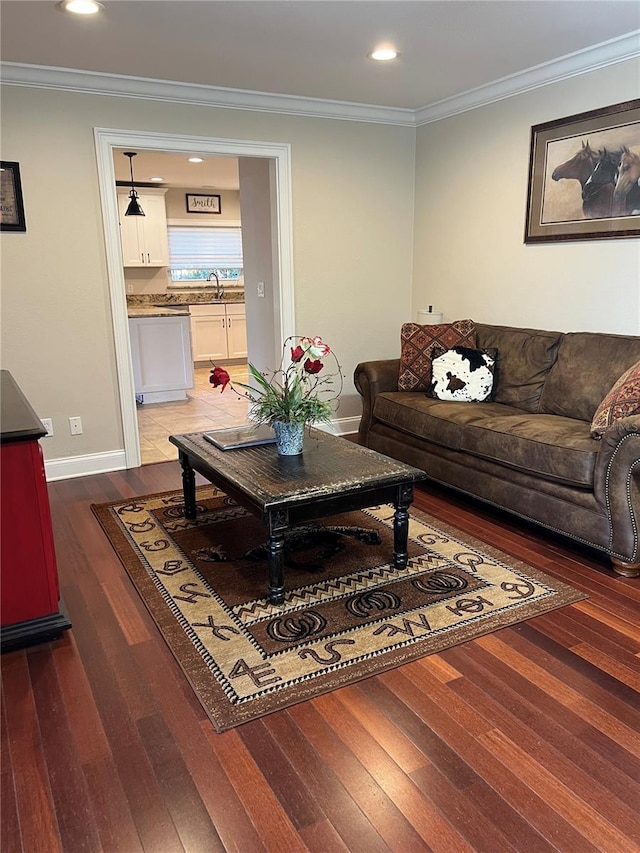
(205, 409)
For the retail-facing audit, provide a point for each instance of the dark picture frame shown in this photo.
(11, 204)
(203, 203)
(567, 199)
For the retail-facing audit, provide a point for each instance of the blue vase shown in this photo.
(289, 438)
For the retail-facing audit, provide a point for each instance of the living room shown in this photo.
(391, 210)
(418, 240)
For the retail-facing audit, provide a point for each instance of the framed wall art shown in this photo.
(201, 203)
(11, 204)
(584, 176)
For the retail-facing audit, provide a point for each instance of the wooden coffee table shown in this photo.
(331, 476)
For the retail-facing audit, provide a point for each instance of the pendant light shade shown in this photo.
(134, 208)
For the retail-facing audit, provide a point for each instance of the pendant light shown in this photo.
(134, 208)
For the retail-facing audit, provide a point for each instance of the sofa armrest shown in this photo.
(617, 485)
(371, 378)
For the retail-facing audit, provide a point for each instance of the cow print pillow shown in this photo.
(463, 375)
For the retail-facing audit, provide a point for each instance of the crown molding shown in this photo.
(572, 65)
(117, 85)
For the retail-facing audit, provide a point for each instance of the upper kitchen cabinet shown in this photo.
(144, 238)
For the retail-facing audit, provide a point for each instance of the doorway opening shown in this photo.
(204, 409)
(187, 251)
(269, 321)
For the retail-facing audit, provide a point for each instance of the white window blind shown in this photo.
(202, 248)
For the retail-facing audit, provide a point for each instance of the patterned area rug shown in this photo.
(348, 612)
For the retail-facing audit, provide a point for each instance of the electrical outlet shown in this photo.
(260, 288)
(47, 423)
(75, 425)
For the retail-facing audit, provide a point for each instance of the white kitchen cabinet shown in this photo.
(144, 238)
(236, 330)
(218, 331)
(208, 332)
(161, 357)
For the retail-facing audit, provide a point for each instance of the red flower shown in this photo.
(219, 376)
(296, 354)
(313, 366)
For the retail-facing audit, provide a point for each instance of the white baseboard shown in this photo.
(341, 426)
(81, 466)
(114, 460)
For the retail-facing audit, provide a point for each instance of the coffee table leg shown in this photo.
(404, 498)
(188, 486)
(278, 523)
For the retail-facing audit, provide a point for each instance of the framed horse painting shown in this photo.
(584, 176)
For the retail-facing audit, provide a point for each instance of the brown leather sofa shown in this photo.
(529, 450)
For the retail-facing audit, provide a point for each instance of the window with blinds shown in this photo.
(197, 252)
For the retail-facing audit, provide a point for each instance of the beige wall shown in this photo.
(229, 206)
(471, 186)
(259, 250)
(352, 191)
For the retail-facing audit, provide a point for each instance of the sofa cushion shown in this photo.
(462, 374)
(586, 369)
(420, 344)
(437, 421)
(623, 400)
(556, 448)
(525, 357)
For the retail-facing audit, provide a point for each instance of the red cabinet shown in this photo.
(29, 595)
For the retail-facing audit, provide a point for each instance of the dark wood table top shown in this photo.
(328, 466)
(18, 420)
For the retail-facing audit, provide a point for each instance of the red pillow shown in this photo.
(421, 344)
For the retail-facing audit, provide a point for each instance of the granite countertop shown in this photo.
(181, 299)
(157, 311)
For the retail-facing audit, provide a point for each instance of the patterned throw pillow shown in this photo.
(463, 375)
(421, 344)
(621, 401)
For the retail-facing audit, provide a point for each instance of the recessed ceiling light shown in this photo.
(195, 160)
(157, 180)
(81, 7)
(383, 54)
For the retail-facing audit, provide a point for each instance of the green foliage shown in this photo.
(293, 394)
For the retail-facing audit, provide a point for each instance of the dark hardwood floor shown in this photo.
(524, 740)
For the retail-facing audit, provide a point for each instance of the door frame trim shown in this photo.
(106, 139)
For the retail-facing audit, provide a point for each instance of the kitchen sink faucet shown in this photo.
(220, 287)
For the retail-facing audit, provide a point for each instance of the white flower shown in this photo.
(315, 347)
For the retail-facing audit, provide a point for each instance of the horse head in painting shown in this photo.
(597, 192)
(578, 167)
(626, 195)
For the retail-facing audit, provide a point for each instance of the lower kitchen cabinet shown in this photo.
(161, 357)
(236, 331)
(208, 332)
(218, 331)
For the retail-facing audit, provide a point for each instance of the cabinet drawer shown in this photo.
(207, 310)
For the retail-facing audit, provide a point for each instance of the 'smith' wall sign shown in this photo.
(200, 203)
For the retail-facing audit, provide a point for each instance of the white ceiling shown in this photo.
(314, 49)
(214, 173)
